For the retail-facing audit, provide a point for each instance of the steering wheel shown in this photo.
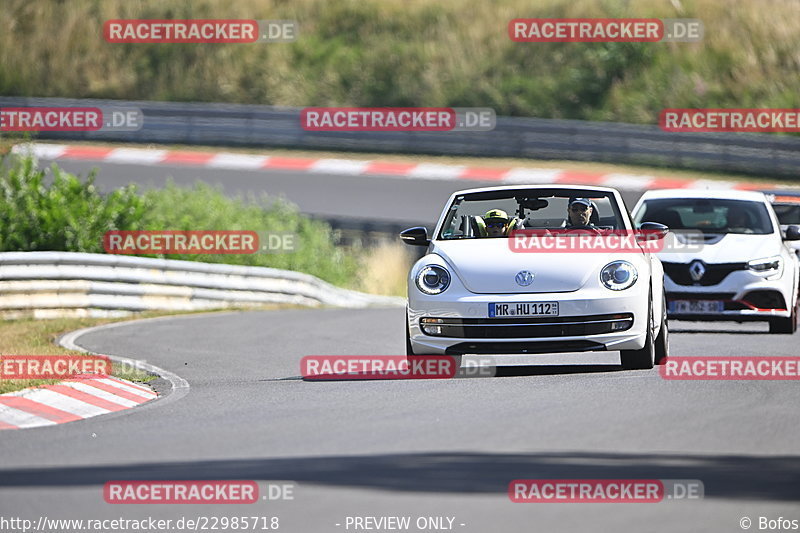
(587, 229)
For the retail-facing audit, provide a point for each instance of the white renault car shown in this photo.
(474, 293)
(743, 269)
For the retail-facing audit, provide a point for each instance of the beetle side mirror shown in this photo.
(417, 236)
(651, 230)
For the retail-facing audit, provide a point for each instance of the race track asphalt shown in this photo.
(418, 447)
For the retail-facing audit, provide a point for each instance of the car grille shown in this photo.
(763, 299)
(715, 272)
(700, 296)
(523, 347)
(518, 328)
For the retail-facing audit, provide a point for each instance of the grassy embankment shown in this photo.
(415, 53)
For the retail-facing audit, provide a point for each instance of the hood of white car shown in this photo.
(730, 248)
(488, 266)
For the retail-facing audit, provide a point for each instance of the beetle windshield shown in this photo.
(496, 213)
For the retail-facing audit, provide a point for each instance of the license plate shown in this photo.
(523, 309)
(696, 306)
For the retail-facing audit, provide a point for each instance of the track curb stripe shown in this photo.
(72, 392)
(38, 409)
(358, 167)
(142, 392)
(70, 400)
(116, 391)
(22, 419)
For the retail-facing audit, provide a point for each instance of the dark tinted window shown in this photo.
(710, 215)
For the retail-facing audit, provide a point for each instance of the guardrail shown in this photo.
(252, 125)
(51, 284)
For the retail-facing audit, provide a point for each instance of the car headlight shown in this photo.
(765, 265)
(618, 275)
(433, 279)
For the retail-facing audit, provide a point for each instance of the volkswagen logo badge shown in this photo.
(524, 278)
(697, 270)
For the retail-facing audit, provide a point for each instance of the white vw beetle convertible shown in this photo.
(480, 289)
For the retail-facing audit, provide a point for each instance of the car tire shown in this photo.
(662, 341)
(409, 349)
(642, 359)
(784, 325)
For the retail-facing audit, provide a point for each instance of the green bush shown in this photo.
(63, 212)
(206, 208)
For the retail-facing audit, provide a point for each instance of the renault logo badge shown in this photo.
(697, 270)
(524, 278)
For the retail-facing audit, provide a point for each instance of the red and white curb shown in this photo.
(87, 396)
(353, 167)
(69, 400)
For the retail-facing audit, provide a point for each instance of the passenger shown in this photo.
(497, 223)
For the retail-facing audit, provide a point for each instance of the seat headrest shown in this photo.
(479, 226)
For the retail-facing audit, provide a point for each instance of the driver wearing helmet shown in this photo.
(579, 213)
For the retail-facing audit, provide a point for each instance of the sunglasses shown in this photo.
(496, 224)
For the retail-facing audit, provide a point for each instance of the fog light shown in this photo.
(429, 327)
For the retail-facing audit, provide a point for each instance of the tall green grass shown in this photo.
(65, 212)
(413, 52)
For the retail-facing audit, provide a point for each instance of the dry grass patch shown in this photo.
(38, 337)
(385, 269)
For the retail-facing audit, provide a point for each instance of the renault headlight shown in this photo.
(433, 279)
(765, 265)
(771, 266)
(618, 275)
